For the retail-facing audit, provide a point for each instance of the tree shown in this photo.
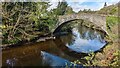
(61, 8)
(85, 10)
(69, 10)
(105, 5)
(23, 19)
(89, 10)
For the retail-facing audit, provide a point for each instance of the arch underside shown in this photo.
(58, 28)
(62, 24)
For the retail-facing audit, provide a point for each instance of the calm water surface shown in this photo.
(58, 52)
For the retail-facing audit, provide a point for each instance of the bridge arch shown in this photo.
(61, 25)
(97, 20)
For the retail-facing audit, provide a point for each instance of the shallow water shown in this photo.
(58, 52)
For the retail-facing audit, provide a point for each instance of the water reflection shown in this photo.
(58, 52)
(39, 54)
(52, 60)
(84, 40)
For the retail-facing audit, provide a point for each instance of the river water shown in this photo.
(61, 51)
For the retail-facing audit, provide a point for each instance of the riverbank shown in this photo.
(37, 39)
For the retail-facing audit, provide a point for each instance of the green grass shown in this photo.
(112, 20)
(112, 26)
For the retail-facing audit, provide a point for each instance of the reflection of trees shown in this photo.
(89, 33)
(68, 39)
(83, 31)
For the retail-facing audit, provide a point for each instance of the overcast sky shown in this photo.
(83, 4)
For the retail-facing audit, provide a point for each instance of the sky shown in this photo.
(78, 5)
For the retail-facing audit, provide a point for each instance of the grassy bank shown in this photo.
(112, 27)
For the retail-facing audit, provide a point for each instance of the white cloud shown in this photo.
(84, 0)
(77, 7)
(77, 4)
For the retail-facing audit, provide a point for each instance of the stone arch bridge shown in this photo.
(96, 19)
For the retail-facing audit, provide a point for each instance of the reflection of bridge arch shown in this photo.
(95, 19)
(68, 51)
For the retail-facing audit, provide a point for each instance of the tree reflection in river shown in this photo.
(84, 40)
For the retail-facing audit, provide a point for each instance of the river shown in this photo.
(61, 51)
